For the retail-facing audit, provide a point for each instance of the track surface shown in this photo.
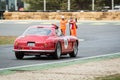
(97, 38)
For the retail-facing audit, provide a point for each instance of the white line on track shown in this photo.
(47, 23)
(1, 22)
(117, 24)
(60, 61)
(81, 39)
(22, 22)
(98, 23)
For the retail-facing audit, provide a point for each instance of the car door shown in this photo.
(70, 43)
(66, 43)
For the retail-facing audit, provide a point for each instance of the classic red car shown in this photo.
(45, 40)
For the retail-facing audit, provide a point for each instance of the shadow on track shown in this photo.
(65, 57)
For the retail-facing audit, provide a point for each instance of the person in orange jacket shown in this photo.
(63, 23)
(73, 27)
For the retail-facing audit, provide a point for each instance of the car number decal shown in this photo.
(65, 43)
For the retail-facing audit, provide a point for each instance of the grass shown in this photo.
(110, 77)
(7, 40)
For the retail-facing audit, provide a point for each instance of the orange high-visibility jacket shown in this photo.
(72, 28)
(63, 26)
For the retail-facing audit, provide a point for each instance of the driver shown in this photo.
(57, 30)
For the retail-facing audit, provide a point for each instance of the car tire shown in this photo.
(19, 55)
(37, 56)
(57, 54)
(75, 50)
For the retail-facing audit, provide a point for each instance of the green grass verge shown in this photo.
(110, 77)
(7, 40)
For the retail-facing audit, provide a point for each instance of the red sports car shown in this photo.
(45, 40)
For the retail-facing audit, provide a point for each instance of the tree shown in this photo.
(38, 4)
(108, 3)
(2, 5)
(99, 4)
(75, 4)
(80, 4)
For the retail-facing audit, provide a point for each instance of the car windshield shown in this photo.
(37, 31)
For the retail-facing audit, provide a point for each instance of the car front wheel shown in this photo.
(75, 50)
(19, 55)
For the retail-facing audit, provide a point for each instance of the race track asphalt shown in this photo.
(97, 38)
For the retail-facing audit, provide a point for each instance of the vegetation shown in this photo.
(7, 40)
(75, 4)
(111, 77)
(2, 5)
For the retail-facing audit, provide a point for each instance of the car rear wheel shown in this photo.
(75, 50)
(57, 54)
(19, 55)
(37, 56)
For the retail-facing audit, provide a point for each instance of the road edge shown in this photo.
(58, 64)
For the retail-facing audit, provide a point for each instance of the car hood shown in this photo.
(33, 38)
